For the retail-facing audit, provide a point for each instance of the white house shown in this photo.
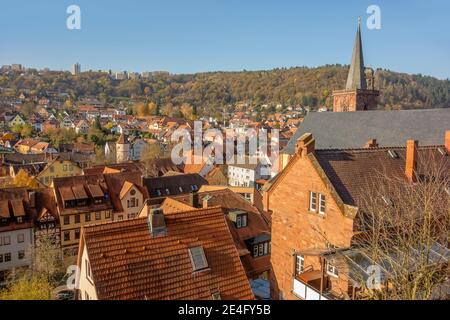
(16, 234)
(67, 123)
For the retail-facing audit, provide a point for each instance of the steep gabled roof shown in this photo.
(129, 264)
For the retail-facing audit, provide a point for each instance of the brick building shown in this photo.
(315, 203)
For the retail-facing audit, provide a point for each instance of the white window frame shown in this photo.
(299, 264)
(313, 203)
(322, 198)
(332, 270)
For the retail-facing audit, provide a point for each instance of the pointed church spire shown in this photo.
(356, 76)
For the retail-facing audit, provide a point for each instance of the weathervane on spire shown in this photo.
(359, 21)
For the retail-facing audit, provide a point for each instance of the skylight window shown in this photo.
(393, 154)
(387, 201)
(198, 259)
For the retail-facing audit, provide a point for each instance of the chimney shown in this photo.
(411, 160)
(157, 223)
(372, 143)
(447, 140)
(206, 201)
(305, 144)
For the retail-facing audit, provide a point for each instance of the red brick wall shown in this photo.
(351, 101)
(295, 228)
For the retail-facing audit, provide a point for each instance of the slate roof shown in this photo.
(177, 184)
(129, 264)
(352, 130)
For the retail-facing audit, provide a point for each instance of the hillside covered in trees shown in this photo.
(209, 93)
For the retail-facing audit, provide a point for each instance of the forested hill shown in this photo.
(208, 93)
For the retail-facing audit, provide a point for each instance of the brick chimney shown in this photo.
(411, 160)
(447, 140)
(372, 143)
(157, 223)
(305, 144)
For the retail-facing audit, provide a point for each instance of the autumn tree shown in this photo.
(28, 288)
(405, 230)
(187, 111)
(24, 180)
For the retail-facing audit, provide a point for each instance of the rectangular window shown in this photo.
(107, 215)
(77, 218)
(322, 204)
(65, 167)
(21, 238)
(255, 251)
(266, 248)
(244, 220)
(313, 201)
(88, 269)
(67, 236)
(261, 249)
(7, 240)
(21, 255)
(238, 222)
(87, 217)
(332, 270)
(1, 258)
(299, 265)
(98, 215)
(67, 220)
(77, 234)
(7, 257)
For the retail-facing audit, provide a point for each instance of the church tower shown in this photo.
(359, 93)
(122, 149)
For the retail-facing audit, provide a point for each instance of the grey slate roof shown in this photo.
(352, 130)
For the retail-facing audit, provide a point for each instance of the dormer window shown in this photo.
(241, 220)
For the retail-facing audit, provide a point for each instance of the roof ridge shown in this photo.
(427, 147)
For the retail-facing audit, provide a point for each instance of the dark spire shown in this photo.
(356, 76)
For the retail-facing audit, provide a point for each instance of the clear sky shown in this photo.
(185, 36)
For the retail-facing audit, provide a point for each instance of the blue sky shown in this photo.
(185, 36)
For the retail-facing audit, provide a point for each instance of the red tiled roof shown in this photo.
(129, 264)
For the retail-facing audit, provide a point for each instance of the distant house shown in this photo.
(56, 169)
(246, 175)
(50, 125)
(16, 231)
(18, 120)
(24, 146)
(82, 127)
(67, 123)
